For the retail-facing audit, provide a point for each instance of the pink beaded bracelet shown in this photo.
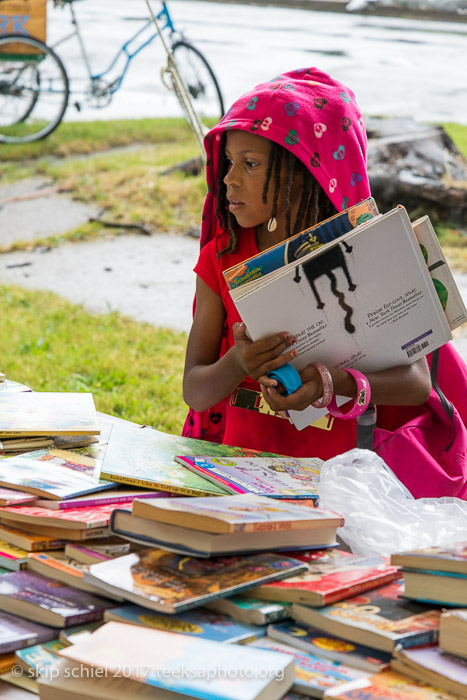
(361, 402)
(328, 388)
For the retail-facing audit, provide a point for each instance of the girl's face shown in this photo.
(248, 159)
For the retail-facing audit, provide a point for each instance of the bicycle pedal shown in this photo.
(77, 106)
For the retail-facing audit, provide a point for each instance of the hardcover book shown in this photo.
(443, 280)
(299, 245)
(200, 622)
(340, 576)
(46, 601)
(250, 610)
(388, 685)
(171, 583)
(453, 632)
(47, 413)
(16, 633)
(277, 477)
(145, 457)
(379, 618)
(430, 665)
(314, 641)
(449, 558)
(55, 474)
(313, 674)
(185, 665)
(334, 314)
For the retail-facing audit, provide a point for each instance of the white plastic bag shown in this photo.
(381, 515)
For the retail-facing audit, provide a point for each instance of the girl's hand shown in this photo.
(311, 390)
(258, 358)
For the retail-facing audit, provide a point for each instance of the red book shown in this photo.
(331, 576)
(73, 518)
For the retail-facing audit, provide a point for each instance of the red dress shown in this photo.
(251, 428)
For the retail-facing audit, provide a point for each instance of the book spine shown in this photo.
(47, 544)
(418, 640)
(83, 618)
(147, 484)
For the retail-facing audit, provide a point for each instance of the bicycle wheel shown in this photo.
(200, 82)
(33, 89)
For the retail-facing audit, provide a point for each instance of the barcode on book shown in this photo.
(417, 348)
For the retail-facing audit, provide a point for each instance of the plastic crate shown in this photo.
(25, 17)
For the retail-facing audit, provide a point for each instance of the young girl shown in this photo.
(287, 155)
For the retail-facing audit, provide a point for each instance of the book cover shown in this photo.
(379, 618)
(16, 633)
(443, 280)
(299, 245)
(277, 477)
(11, 557)
(314, 641)
(99, 499)
(227, 514)
(388, 685)
(430, 665)
(453, 632)
(35, 660)
(47, 413)
(250, 610)
(340, 576)
(449, 558)
(183, 664)
(172, 583)
(200, 622)
(369, 306)
(10, 497)
(145, 457)
(44, 600)
(72, 518)
(437, 587)
(55, 474)
(28, 541)
(313, 673)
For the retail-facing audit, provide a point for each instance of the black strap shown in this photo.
(366, 424)
(445, 403)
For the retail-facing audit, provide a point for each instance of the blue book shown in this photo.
(202, 623)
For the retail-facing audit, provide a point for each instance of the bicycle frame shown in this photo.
(124, 50)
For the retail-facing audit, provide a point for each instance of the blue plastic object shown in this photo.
(288, 377)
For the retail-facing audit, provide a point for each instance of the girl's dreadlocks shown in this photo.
(314, 205)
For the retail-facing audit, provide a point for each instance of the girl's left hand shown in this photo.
(311, 390)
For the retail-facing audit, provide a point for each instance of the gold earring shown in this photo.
(272, 224)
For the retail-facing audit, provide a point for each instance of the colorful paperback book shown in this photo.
(10, 497)
(313, 674)
(185, 665)
(11, 557)
(449, 558)
(46, 601)
(99, 499)
(73, 518)
(53, 474)
(228, 514)
(388, 685)
(200, 622)
(145, 457)
(250, 610)
(35, 660)
(299, 245)
(16, 633)
(443, 280)
(172, 583)
(379, 618)
(339, 576)
(277, 477)
(47, 413)
(28, 541)
(430, 665)
(314, 641)
(335, 316)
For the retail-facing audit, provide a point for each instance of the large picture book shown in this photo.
(171, 583)
(380, 618)
(46, 601)
(450, 558)
(443, 280)
(299, 245)
(276, 477)
(388, 685)
(453, 632)
(47, 413)
(145, 457)
(314, 641)
(200, 622)
(430, 665)
(187, 666)
(16, 633)
(370, 305)
(340, 576)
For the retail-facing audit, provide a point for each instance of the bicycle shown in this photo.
(35, 88)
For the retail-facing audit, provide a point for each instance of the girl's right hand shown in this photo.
(256, 358)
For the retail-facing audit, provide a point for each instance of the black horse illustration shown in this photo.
(324, 264)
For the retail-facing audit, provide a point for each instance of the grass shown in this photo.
(133, 370)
